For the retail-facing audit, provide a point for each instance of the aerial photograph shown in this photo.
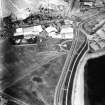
(52, 52)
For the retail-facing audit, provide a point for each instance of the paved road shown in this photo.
(78, 48)
(71, 54)
(71, 72)
(62, 77)
(72, 69)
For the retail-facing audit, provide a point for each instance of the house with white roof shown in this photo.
(35, 30)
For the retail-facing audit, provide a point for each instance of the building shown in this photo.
(87, 2)
(101, 33)
(31, 32)
(35, 30)
(65, 33)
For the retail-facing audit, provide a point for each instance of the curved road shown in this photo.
(71, 73)
(63, 91)
(62, 77)
(76, 45)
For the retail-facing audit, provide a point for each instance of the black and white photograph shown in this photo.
(52, 52)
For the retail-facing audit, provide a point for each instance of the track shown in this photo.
(10, 98)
